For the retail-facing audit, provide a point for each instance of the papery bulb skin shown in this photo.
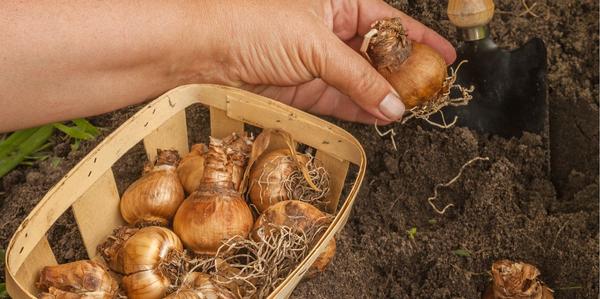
(298, 215)
(226, 160)
(323, 260)
(276, 176)
(292, 213)
(516, 280)
(80, 279)
(216, 211)
(415, 70)
(110, 249)
(155, 197)
(148, 248)
(131, 250)
(238, 149)
(148, 258)
(207, 218)
(191, 168)
(146, 285)
(198, 285)
(267, 176)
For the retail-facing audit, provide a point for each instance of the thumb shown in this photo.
(346, 70)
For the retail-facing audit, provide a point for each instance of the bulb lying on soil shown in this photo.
(216, 211)
(300, 216)
(151, 259)
(80, 279)
(511, 280)
(154, 198)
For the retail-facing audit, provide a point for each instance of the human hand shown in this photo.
(119, 53)
(304, 53)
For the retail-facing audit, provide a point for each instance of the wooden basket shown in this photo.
(90, 188)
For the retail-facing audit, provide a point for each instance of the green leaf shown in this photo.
(86, 126)
(412, 233)
(37, 157)
(461, 252)
(432, 221)
(14, 140)
(43, 147)
(38, 139)
(74, 132)
(75, 145)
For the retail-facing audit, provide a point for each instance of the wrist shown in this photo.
(200, 54)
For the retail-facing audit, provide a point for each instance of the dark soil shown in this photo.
(507, 207)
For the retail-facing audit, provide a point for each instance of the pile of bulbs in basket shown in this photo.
(216, 247)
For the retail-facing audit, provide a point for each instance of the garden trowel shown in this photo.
(510, 94)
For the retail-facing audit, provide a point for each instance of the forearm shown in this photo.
(64, 60)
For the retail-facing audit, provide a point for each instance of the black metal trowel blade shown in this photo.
(510, 94)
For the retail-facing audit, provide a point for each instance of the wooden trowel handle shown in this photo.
(471, 16)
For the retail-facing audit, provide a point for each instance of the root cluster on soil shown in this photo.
(450, 182)
(528, 10)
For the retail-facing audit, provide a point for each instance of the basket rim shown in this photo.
(208, 95)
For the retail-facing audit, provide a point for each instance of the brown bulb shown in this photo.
(80, 279)
(276, 177)
(415, 70)
(198, 285)
(323, 260)
(191, 168)
(515, 280)
(215, 212)
(146, 285)
(207, 218)
(147, 257)
(134, 250)
(149, 248)
(155, 197)
(267, 178)
(301, 216)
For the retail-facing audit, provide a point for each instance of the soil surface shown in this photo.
(395, 244)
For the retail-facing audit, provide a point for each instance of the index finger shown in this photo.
(370, 11)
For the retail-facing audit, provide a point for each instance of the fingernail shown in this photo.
(392, 107)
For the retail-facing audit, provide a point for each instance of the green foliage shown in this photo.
(82, 130)
(86, 126)
(26, 146)
(412, 233)
(19, 152)
(14, 140)
(461, 252)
